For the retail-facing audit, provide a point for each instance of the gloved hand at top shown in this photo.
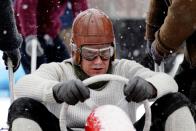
(71, 92)
(138, 90)
(147, 60)
(14, 56)
(157, 57)
(28, 47)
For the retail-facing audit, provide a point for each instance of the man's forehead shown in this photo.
(97, 46)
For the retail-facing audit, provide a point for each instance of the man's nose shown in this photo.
(98, 59)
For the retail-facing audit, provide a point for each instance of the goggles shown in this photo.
(91, 53)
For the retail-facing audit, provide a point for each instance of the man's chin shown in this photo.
(97, 73)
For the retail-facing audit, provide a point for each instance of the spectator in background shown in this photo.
(39, 20)
(10, 39)
(169, 24)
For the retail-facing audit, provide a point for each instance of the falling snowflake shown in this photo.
(67, 12)
(129, 54)
(24, 6)
(121, 37)
(170, 51)
(5, 32)
(136, 53)
(46, 37)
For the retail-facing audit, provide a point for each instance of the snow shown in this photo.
(25, 6)
(4, 105)
(5, 32)
(110, 118)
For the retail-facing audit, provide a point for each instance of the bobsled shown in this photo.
(107, 117)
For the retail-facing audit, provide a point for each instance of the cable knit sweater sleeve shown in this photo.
(39, 84)
(163, 83)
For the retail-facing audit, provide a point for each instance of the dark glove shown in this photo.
(138, 90)
(15, 57)
(71, 92)
(147, 60)
(148, 46)
(157, 57)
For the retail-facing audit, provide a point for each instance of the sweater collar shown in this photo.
(82, 76)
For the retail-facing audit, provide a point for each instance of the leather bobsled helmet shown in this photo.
(91, 26)
(108, 118)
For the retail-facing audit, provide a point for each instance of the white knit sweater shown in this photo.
(39, 84)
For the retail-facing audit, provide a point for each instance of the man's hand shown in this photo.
(71, 92)
(147, 60)
(15, 57)
(28, 47)
(138, 90)
(157, 57)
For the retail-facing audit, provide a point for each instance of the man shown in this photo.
(39, 21)
(41, 94)
(169, 24)
(10, 39)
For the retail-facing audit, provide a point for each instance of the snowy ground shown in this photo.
(4, 105)
(5, 101)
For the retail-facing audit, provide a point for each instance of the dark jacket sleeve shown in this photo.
(156, 14)
(9, 37)
(178, 25)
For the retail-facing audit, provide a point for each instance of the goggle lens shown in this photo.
(91, 53)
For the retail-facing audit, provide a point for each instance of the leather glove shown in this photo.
(15, 57)
(148, 46)
(28, 47)
(138, 90)
(147, 60)
(71, 92)
(157, 57)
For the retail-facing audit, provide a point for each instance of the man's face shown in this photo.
(96, 58)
